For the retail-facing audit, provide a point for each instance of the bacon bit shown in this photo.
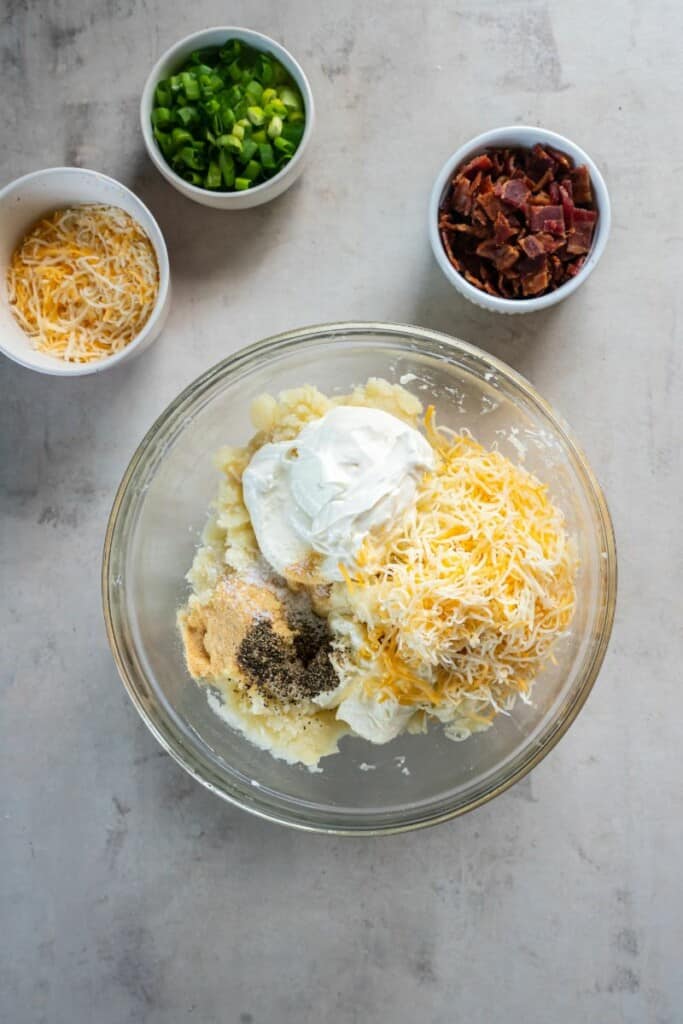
(583, 193)
(547, 218)
(490, 204)
(531, 246)
(518, 222)
(513, 192)
(479, 164)
(575, 267)
(504, 229)
(579, 238)
(502, 256)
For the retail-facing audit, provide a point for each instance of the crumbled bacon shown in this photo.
(518, 222)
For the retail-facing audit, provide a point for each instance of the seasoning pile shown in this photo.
(518, 223)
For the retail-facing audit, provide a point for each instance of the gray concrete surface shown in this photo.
(129, 894)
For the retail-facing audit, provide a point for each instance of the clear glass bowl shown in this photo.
(161, 507)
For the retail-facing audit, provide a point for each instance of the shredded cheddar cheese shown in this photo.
(463, 598)
(83, 282)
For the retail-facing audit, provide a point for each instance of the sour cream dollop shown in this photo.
(348, 473)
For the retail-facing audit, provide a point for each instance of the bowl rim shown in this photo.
(163, 264)
(347, 331)
(194, 192)
(498, 136)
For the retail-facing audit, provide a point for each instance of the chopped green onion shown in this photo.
(267, 156)
(229, 142)
(252, 170)
(275, 127)
(187, 115)
(213, 176)
(180, 137)
(227, 166)
(283, 145)
(249, 147)
(161, 116)
(254, 91)
(190, 85)
(225, 107)
(163, 95)
(191, 158)
(290, 98)
(256, 116)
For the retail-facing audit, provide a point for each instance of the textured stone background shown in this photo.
(128, 893)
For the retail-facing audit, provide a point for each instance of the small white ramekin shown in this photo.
(525, 136)
(169, 63)
(26, 200)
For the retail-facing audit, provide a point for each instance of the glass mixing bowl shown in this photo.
(161, 507)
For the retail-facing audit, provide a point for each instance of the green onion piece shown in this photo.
(161, 116)
(176, 83)
(296, 117)
(290, 98)
(192, 158)
(275, 127)
(181, 137)
(230, 142)
(163, 94)
(241, 109)
(256, 116)
(254, 91)
(265, 69)
(277, 107)
(238, 131)
(241, 184)
(249, 147)
(165, 143)
(268, 95)
(230, 51)
(252, 170)
(190, 85)
(228, 116)
(283, 145)
(187, 115)
(227, 166)
(267, 156)
(212, 106)
(192, 177)
(235, 71)
(245, 122)
(213, 176)
(259, 136)
(293, 132)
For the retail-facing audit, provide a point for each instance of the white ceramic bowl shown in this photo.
(22, 203)
(518, 135)
(169, 63)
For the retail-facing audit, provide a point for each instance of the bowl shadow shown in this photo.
(515, 339)
(205, 243)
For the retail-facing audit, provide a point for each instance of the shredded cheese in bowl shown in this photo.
(83, 282)
(464, 598)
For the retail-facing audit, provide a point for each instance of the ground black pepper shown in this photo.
(293, 669)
